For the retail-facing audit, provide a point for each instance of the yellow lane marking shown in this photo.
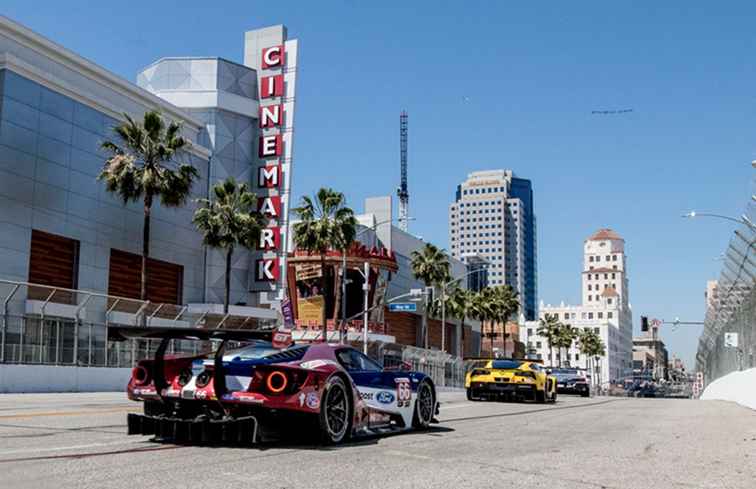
(70, 413)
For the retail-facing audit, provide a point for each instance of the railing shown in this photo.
(733, 307)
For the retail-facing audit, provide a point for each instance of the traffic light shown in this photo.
(644, 323)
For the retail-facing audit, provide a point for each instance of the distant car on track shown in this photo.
(242, 395)
(510, 379)
(572, 381)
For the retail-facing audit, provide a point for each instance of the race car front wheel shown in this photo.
(335, 411)
(425, 404)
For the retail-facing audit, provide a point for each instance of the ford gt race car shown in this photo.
(510, 379)
(263, 387)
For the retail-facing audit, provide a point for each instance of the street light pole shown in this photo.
(743, 219)
(366, 289)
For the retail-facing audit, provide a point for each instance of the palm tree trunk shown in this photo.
(460, 329)
(551, 355)
(227, 296)
(145, 245)
(323, 295)
(492, 338)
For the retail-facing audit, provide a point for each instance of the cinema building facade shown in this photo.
(61, 229)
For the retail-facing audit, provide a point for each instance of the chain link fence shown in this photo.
(732, 307)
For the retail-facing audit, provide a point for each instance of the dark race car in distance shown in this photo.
(572, 381)
(244, 395)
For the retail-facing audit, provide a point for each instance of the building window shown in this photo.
(590, 315)
(530, 331)
(589, 287)
(609, 301)
(601, 315)
(609, 314)
(614, 257)
(613, 275)
(577, 356)
(590, 259)
(597, 330)
(590, 298)
(538, 344)
(165, 281)
(53, 261)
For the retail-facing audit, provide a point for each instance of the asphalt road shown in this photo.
(79, 440)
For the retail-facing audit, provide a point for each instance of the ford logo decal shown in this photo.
(385, 397)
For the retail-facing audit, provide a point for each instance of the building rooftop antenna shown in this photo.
(402, 191)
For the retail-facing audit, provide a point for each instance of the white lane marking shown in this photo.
(73, 447)
(407, 454)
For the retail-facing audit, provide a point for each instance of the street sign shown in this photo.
(731, 340)
(403, 307)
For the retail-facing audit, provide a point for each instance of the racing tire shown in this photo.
(335, 412)
(540, 396)
(585, 394)
(425, 404)
(470, 396)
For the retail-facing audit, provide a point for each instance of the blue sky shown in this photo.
(496, 85)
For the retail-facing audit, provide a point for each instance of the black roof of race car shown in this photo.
(123, 333)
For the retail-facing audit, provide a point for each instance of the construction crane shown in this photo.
(402, 191)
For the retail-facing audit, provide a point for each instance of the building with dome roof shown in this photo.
(605, 308)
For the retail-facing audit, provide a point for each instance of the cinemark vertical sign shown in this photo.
(271, 152)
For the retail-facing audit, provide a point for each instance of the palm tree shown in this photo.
(480, 309)
(325, 223)
(431, 266)
(229, 221)
(592, 347)
(548, 330)
(566, 335)
(504, 305)
(142, 165)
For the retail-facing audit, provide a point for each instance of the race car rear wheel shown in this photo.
(540, 396)
(470, 396)
(335, 411)
(425, 404)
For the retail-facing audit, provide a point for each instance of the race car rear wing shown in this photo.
(280, 338)
(123, 333)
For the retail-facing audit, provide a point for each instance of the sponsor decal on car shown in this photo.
(366, 396)
(313, 400)
(403, 392)
(312, 364)
(385, 397)
(144, 392)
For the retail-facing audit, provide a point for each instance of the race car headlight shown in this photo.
(276, 382)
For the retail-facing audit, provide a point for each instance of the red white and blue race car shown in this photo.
(265, 386)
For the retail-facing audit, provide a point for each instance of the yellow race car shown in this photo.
(509, 379)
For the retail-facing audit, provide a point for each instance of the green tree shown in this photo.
(229, 221)
(548, 329)
(592, 347)
(503, 305)
(431, 266)
(566, 335)
(325, 223)
(142, 165)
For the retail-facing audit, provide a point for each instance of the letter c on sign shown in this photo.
(273, 56)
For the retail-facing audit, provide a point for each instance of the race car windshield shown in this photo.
(506, 364)
(254, 350)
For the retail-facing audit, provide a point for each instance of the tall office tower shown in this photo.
(492, 219)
